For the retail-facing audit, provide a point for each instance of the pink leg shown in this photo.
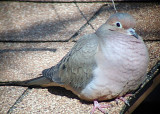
(123, 99)
(99, 107)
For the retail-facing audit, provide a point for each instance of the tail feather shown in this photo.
(36, 82)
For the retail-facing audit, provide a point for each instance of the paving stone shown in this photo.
(89, 9)
(20, 61)
(59, 21)
(8, 96)
(24, 21)
(70, 1)
(154, 53)
(41, 101)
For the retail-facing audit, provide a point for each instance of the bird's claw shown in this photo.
(123, 99)
(99, 107)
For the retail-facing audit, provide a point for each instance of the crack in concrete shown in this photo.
(84, 16)
(18, 100)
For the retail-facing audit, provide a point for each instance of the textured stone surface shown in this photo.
(154, 52)
(38, 21)
(20, 61)
(80, 0)
(42, 101)
(8, 96)
(21, 21)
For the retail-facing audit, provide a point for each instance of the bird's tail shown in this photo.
(36, 82)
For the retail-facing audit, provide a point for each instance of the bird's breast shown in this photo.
(121, 67)
(130, 58)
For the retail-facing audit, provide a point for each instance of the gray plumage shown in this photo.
(106, 64)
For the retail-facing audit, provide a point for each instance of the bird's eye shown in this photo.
(118, 24)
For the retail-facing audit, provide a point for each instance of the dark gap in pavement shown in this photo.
(87, 23)
(84, 17)
(27, 49)
(18, 100)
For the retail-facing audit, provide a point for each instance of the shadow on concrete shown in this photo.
(27, 49)
(63, 92)
(38, 31)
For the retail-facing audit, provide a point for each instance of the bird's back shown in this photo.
(74, 71)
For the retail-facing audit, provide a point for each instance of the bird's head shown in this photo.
(123, 23)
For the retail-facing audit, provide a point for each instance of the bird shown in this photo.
(104, 65)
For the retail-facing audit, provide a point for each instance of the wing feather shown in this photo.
(75, 69)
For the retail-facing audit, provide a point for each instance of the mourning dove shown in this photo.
(103, 65)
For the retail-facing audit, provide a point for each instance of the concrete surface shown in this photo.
(35, 36)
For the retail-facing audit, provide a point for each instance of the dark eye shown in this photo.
(118, 24)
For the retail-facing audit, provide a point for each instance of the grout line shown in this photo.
(98, 12)
(62, 1)
(18, 100)
(76, 33)
(91, 19)
(82, 1)
(38, 41)
(152, 40)
(72, 37)
(84, 16)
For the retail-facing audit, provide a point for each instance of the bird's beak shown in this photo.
(132, 33)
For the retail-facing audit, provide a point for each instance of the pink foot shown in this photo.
(123, 99)
(99, 107)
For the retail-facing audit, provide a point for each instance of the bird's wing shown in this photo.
(75, 69)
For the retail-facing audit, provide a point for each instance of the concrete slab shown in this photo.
(154, 52)
(56, 101)
(24, 21)
(20, 61)
(55, 21)
(41, 101)
(8, 96)
(89, 9)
